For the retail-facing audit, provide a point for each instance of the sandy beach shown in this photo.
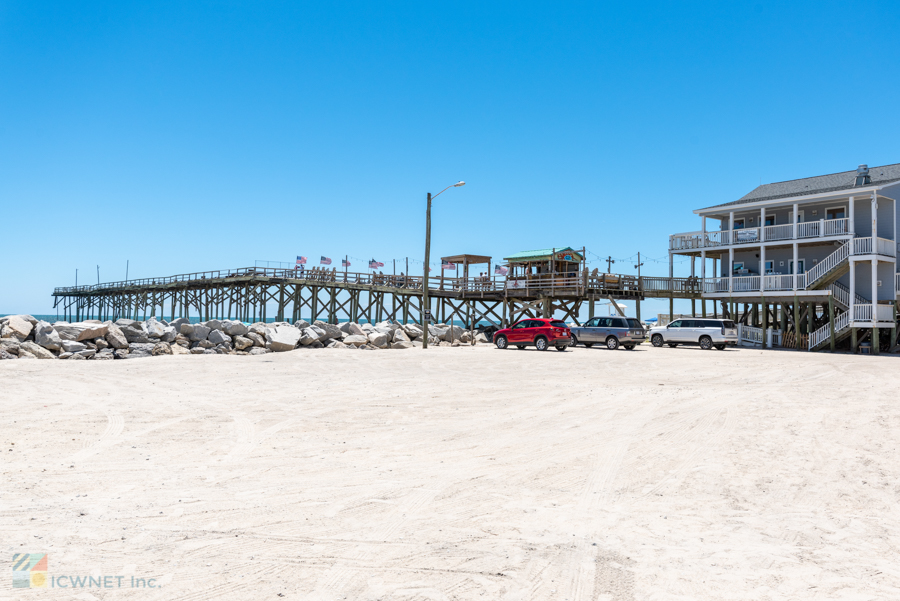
(467, 473)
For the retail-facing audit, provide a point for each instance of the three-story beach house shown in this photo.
(811, 258)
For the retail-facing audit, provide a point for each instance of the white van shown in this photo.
(708, 333)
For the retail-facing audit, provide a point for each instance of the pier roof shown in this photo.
(545, 254)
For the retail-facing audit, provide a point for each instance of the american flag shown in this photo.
(373, 264)
(301, 260)
(500, 270)
(345, 263)
(448, 265)
(325, 261)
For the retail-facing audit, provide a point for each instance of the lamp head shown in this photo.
(458, 184)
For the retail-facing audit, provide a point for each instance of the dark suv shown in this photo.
(542, 333)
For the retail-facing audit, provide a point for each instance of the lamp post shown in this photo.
(426, 307)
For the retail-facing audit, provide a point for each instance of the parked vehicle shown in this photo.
(708, 333)
(611, 332)
(540, 333)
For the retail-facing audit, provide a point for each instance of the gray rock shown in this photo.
(5, 355)
(355, 329)
(116, 338)
(177, 349)
(70, 346)
(378, 339)
(17, 327)
(101, 343)
(204, 344)
(155, 329)
(121, 353)
(65, 355)
(141, 348)
(161, 348)
(135, 335)
(259, 351)
(235, 328)
(186, 329)
(10, 345)
(77, 357)
(198, 351)
(214, 325)
(46, 336)
(86, 353)
(104, 355)
(168, 335)
(242, 342)
(258, 328)
(200, 332)
(125, 323)
(399, 336)
(356, 340)
(337, 344)
(308, 336)
(176, 323)
(23, 354)
(345, 327)
(302, 324)
(481, 338)
(256, 338)
(282, 338)
(182, 340)
(218, 337)
(35, 349)
(402, 344)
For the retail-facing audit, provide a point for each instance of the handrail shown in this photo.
(824, 333)
(828, 263)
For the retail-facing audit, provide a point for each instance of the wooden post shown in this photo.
(765, 322)
(875, 342)
(810, 320)
(831, 321)
(854, 340)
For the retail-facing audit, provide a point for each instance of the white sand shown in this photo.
(458, 474)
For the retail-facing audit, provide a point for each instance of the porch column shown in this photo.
(810, 321)
(796, 227)
(796, 269)
(762, 224)
(831, 321)
(703, 229)
(762, 268)
(730, 223)
(731, 270)
(851, 218)
(874, 290)
(874, 220)
(765, 321)
(703, 265)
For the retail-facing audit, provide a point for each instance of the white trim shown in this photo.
(791, 267)
(798, 199)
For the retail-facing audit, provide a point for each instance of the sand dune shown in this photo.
(466, 473)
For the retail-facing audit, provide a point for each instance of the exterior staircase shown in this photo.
(829, 269)
(821, 338)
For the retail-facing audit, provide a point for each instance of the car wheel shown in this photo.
(574, 340)
(561, 347)
(612, 343)
(657, 340)
(706, 343)
(541, 343)
(520, 347)
(588, 344)
(673, 344)
(628, 347)
(720, 347)
(501, 342)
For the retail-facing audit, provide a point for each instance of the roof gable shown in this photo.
(543, 254)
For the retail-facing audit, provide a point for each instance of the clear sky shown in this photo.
(188, 136)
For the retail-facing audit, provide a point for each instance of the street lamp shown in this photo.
(426, 307)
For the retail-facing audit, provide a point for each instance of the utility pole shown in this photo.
(426, 312)
(126, 270)
(609, 262)
(640, 288)
(76, 278)
(98, 274)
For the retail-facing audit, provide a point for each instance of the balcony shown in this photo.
(823, 228)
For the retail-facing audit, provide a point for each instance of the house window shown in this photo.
(770, 219)
(738, 224)
(770, 267)
(738, 267)
(838, 213)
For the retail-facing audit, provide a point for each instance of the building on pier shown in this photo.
(813, 259)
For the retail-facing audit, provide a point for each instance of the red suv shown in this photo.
(542, 333)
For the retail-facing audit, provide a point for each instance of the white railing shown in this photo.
(840, 293)
(713, 285)
(824, 333)
(828, 263)
(686, 241)
(751, 334)
(809, 229)
(884, 246)
(862, 246)
(885, 312)
(836, 227)
(746, 283)
(776, 337)
(779, 232)
(721, 238)
(779, 282)
(746, 235)
(862, 312)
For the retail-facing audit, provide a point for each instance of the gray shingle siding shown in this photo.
(845, 180)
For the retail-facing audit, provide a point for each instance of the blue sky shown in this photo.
(190, 136)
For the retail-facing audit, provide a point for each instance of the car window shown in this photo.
(592, 323)
(704, 324)
(534, 323)
(605, 322)
(558, 324)
(521, 324)
(618, 322)
(728, 324)
(633, 323)
(677, 323)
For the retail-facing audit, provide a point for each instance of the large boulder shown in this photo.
(242, 342)
(104, 355)
(161, 348)
(258, 328)
(308, 336)
(5, 355)
(186, 329)
(213, 324)
(199, 332)
(176, 323)
(126, 323)
(378, 339)
(70, 346)
(345, 327)
(10, 345)
(235, 328)
(140, 350)
(282, 338)
(399, 336)
(302, 324)
(135, 333)
(355, 340)
(80, 331)
(402, 345)
(355, 329)
(169, 334)
(18, 327)
(87, 353)
(331, 330)
(36, 350)
(116, 338)
(154, 328)
(177, 349)
(46, 336)
(218, 337)
(259, 351)
(256, 338)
